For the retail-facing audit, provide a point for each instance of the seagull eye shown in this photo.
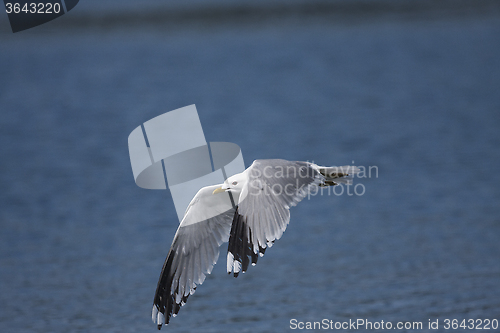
(235, 183)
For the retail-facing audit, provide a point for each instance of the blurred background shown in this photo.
(411, 87)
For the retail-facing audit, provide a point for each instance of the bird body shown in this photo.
(250, 210)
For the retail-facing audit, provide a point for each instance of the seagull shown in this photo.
(250, 210)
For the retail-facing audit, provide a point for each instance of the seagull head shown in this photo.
(234, 184)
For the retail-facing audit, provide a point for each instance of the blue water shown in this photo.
(81, 246)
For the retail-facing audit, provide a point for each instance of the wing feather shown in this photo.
(194, 251)
(262, 214)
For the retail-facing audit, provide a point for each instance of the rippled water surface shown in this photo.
(81, 246)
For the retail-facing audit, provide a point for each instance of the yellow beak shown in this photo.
(218, 190)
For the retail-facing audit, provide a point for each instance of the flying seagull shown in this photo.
(250, 210)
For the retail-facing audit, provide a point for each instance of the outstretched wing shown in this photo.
(194, 251)
(263, 214)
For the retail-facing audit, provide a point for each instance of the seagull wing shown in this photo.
(194, 251)
(262, 215)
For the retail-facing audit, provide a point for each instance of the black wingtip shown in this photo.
(240, 243)
(159, 327)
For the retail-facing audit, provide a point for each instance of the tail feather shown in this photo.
(338, 175)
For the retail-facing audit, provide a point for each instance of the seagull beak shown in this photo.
(218, 190)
